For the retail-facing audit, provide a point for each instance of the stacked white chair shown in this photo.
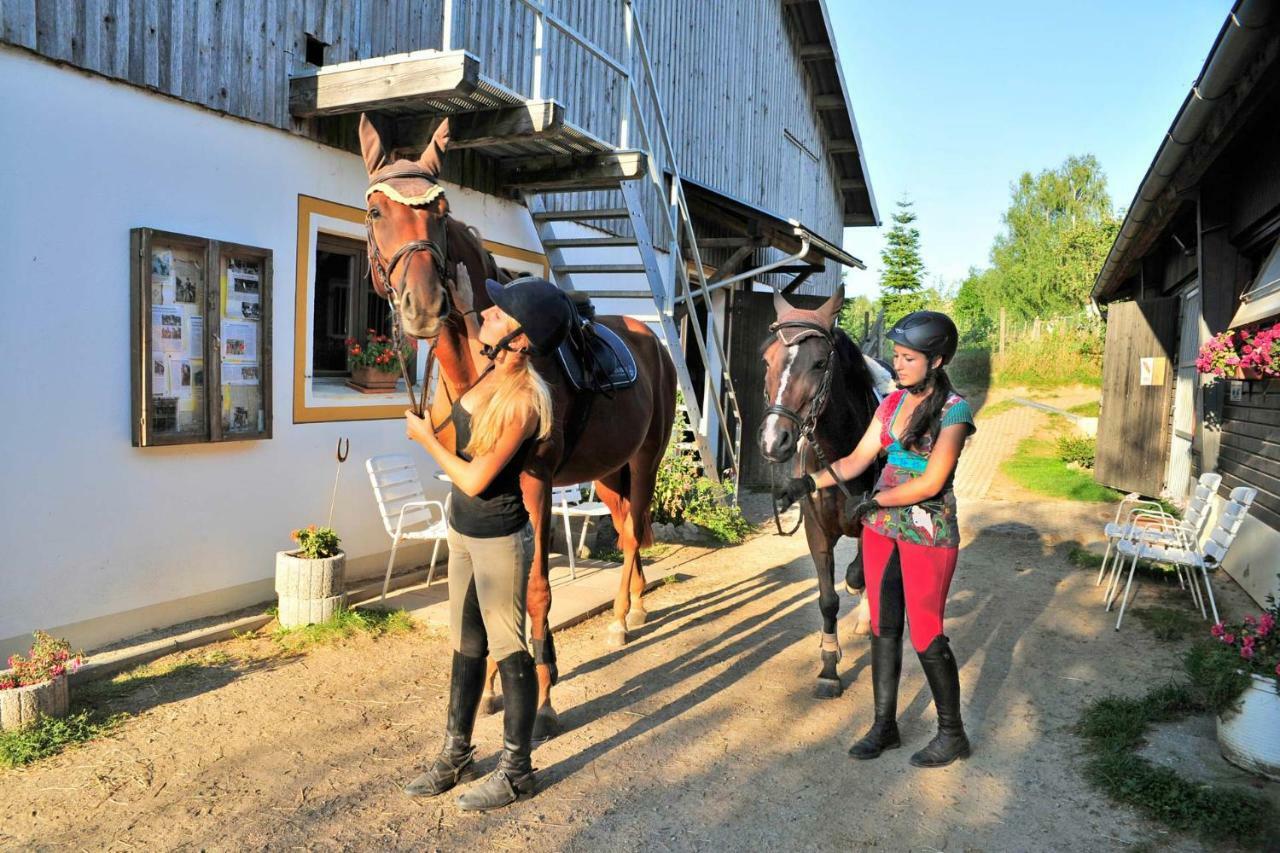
(1146, 521)
(567, 501)
(406, 513)
(1187, 553)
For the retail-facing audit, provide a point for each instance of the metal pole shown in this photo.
(539, 23)
(446, 27)
(624, 132)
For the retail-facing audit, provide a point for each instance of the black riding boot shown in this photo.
(950, 742)
(886, 667)
(513, 780)
(466, 683)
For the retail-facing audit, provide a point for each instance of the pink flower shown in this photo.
(1216, 630)
(1247, 653)
(1250, 621)
(1278, 669)
(1229, 639)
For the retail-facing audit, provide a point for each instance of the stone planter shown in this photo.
(22, 706)
(1250, 736)
(371, 381)
(309, 591)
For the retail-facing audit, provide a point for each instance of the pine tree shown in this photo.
(902, 278)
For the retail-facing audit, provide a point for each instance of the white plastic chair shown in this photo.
(567, 502)
(1189, 554)
(406, 513)
(1148, 522)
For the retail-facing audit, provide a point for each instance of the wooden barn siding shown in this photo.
(1249, 454)
(713, 61)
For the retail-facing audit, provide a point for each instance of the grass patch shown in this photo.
(652, 554)
(1036, 467)
(1065, 357)
(1166, 623)
(131, 680)
(996, 409)
(1113, 729)
(346, 624)
(1087, 410)
(52, 735)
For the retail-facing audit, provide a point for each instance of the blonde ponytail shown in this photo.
(519, 392)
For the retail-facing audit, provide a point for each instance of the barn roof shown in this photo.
(821, 60)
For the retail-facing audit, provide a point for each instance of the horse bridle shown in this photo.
(806, 424)
(383, 271)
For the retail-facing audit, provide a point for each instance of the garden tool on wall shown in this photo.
(344, 449)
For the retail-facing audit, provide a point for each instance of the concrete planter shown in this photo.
(23, 706)
(309, 591)
(1250, 737)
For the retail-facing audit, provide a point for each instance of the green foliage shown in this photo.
(51, 735)
(48, 658)
(1216, 675)
(1036, 467)
(1091, 409)
(902, 279)
(1114, 728)
(853, 316)
(1166, 623)
(1069, 353)
(1080, 449)
(316, 542)
(682, 495)
(347, 623)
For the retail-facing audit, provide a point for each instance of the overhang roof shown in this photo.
(748, 221)
(1246, 43)
(831, 99)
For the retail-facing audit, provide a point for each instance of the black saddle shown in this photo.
(595, 359)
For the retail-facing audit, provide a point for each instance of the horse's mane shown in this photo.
(859, 385)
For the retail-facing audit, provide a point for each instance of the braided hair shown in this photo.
(927, 418)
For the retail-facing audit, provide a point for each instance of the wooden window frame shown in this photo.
(214, 253)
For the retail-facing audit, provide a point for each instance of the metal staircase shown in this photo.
(661, 237)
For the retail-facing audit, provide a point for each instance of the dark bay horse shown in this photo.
(619, 444)
(820, 395)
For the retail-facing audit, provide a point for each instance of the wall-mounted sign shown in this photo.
(1237, 391)
(1151, 370)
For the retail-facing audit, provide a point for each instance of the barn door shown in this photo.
(1138, 368)
(1186, 385)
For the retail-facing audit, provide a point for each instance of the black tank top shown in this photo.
(499, 509)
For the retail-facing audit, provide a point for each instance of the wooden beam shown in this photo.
(558, 172)
(728, 242)
(383, 85)
(829, 102)
(797, 281)
(821, 50)
(501, 126)
(730, 266)
(849, 184)
(842, 146)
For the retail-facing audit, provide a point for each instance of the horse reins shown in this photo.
(808, 423)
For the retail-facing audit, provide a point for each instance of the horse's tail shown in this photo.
(665, 416)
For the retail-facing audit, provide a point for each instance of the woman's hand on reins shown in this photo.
(853, 513)
(416, 428)
(794, 490)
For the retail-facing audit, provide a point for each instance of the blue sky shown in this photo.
(955, 100)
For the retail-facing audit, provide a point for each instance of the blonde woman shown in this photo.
(496, 422)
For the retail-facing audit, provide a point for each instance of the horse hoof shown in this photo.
(491, 704)
(636, 617)
(828, 688)
(546, 724)
(616, 637)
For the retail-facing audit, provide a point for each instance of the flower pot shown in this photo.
(371, 381)
(23, 706)
(1246, 371)
(309, 590)
(1249, 737)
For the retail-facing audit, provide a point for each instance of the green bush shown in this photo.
(1216, 676)
(1068, 355)
(1080, 449)
(683, 495)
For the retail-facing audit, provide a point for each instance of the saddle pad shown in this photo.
(609, 365)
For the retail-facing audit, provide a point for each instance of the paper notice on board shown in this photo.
(240, 374)
(180, 378)
(187, 279)
(162, 283)
(159, 375)
(195, 337)
(239, 341)
(166, 328)
(244, 309)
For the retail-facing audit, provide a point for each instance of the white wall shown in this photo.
(93, 527)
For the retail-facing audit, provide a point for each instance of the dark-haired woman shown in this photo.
(910, 538)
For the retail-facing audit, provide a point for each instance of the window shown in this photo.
(201, 339)
(346, 305)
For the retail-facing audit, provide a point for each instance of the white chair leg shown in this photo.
(1194, 584)
(435, 551)
(568, 543)
(1113, 585)
(1209, 589)
(1181, 584)
(1103, 568)
(582, 539)
(386, 581)
(1124, 602)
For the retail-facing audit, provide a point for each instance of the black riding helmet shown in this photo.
(542, 310)
(930, 332)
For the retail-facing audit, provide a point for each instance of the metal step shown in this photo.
(587, 242)
(599, 269)
(616, 294)
(581, 215)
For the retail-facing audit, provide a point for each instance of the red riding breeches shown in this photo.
(902, 575)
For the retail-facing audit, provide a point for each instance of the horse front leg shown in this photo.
(490, 701)
(538, 607)
(821, 547)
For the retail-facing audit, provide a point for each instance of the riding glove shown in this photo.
(796, 489)
(854, 513)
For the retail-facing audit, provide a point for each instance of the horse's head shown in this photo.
(407, 223)
(799, 358)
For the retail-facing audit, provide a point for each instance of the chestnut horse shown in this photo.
(618, 445)
(820, 396)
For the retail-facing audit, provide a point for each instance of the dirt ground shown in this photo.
(701, 734)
